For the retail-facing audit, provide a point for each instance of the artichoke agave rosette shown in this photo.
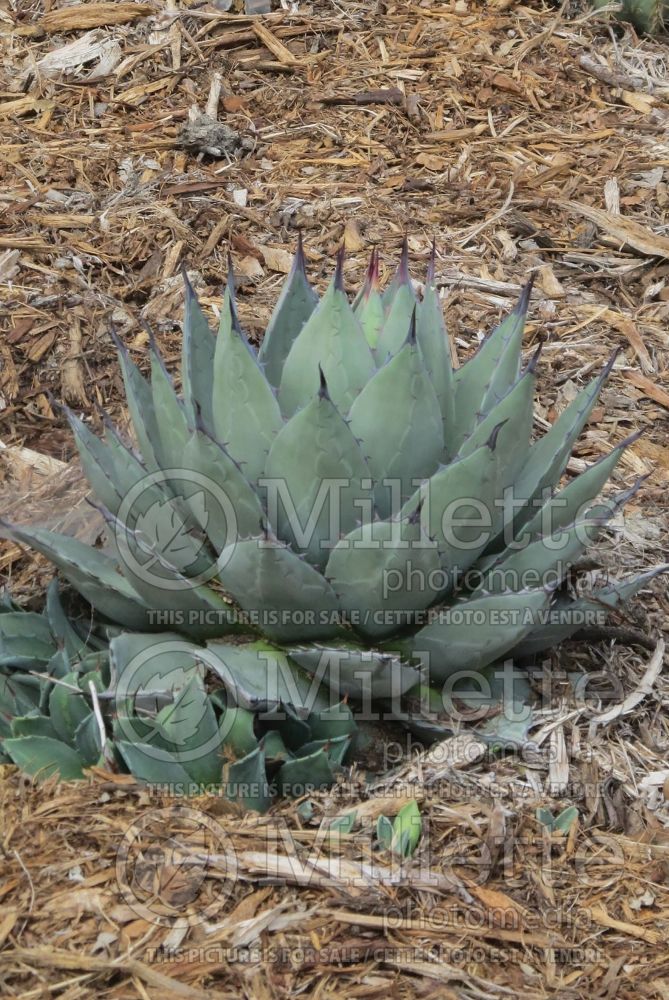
(320, 524)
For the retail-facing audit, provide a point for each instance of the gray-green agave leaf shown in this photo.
(332, 338)
(246, 414)
(295, 305)
(397, 418)
(317, 478)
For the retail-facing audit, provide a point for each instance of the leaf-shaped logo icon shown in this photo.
(161, 533)
(153, 689)
(180, 721)
(199, 510)
(162, 867)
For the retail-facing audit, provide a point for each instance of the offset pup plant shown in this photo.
(337, 529)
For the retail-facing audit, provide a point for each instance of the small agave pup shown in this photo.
(336, 529)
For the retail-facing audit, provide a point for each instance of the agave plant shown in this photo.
(47, 667)
(338, 523)
(647, 16)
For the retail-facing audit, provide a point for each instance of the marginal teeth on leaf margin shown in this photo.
(336, 394)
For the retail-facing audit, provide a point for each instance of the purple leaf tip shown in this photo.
(339, 270)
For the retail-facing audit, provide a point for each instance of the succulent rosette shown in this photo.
(337, 521)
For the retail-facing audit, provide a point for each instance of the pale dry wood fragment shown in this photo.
(645, 688)
(23, 459)
(94, 15)
(276, 47)
(600, 916)
(626, 231)
(72, 378)
(56, 958)
(649, 388)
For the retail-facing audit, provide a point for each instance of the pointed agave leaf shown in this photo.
(170, 413)
(87, 740)
(562, 823)
(549, 455)
(545, 817)
(398, 420)
(230, 298)
(20, 694)
(399, 279)
(332, 723)
(355, 671)
(371, 318)
(502, 729)
(173, 484)
(393, 333)
(154, 766)
(565, 820)
(260, 677)
(335, 749)
(510, 341)
(457, 504)
(237, 731)
(60, 624)
(341, 825)
(305, 774)
(104, 473)
(190, 729)
(473, 633)
(161, 585)
(333, 338)
(43, 757)
(27, 624)
(384, 832)
(275, 749)
(245, 782)
(296, 303)
(383, 572)
(275, 586)
(92, 573)
(489, 375)
(368, 306)
(498, 695)
(566, 616)
(232, 507)
(95, 662)
(162, 529)
(433, 342)
(58, 666)
(546, 561)
(24, 652)
(569, 503)
(168, 526)
(67, 708)
(197, 360)
(140, 404)
(33, 725)
(317, 479)
(293, 730)
(246, 414)
(541, 562)
(407, 829)
(145, 664)
(115, 474)
(514, 411)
